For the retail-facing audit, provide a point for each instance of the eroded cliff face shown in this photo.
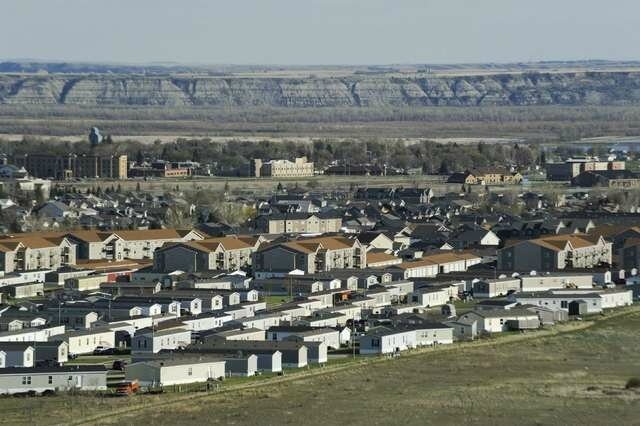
(597, 88)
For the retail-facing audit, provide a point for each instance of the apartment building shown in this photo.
(74, 166)
(211, 254)
(572, 167)
(291, 223)
(27, 252)
(128, 244)
(309, 255)
(556, 252)
(300, 167)
(495, 176)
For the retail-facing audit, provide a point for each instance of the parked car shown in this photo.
(101, 350)
(119, 364)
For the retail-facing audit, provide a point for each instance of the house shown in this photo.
(386, 340)
(379, 259)
(48, 353)
(375, 240)
(499, 320)
(433, 333)
(40, 334)
(42, 380)
(243, 365)
(177, 371)
(430, 296)
(496, 304)
(236, 334)
(309, 255)
(495, 287)
(86, 341)
(294, 353)
(25, 290)
(556, 252)
(555, 280)
(434, 264)
(548, 316)
(475, 238)
(150, 341)
(140, 288)
(329, 336)
(465, 178)
(211, 254)
(585, 301)
(464, 328)
(16, 354)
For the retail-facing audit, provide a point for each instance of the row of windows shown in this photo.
(26, 380)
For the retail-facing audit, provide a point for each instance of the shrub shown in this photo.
(633, 383)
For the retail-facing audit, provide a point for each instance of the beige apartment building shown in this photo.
(309, 255)
(128, 244)
(211, 254)
(300, 167)
(291, 223)
(555, 252)
(28, 252)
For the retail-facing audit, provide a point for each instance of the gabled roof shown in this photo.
(154, 234)
(565, 241)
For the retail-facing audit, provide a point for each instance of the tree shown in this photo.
(139, 157)
(543, 158)
(444, 168)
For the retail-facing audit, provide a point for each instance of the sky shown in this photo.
(320, 32)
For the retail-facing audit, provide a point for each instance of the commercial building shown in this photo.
(300, 167)
(608, 179)
(62, 167)
(572, 167)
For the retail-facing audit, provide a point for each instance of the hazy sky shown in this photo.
(319, 31)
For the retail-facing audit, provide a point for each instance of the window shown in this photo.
(26, 380)
(50, 381)
(190, 371)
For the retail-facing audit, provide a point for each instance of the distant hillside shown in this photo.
(577, 88)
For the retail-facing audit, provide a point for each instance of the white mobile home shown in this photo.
(50, 379)
(168, 372)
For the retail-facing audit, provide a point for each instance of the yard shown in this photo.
(571, 374)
